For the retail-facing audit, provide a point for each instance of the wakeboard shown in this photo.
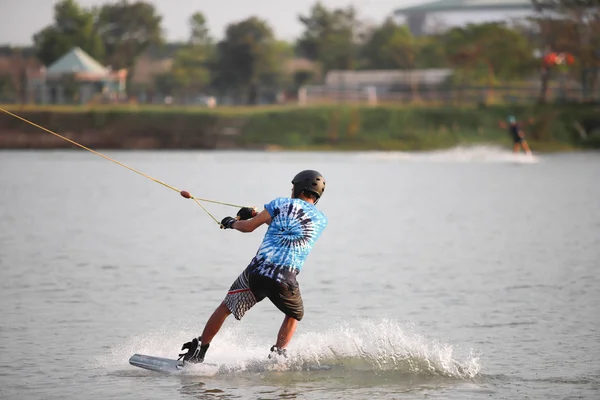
(170, 366)
(524, 159)
(159, 364)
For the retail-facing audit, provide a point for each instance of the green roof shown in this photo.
(76, 60)
(467, 5)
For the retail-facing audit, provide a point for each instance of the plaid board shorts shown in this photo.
(240, 298)
(249, 289)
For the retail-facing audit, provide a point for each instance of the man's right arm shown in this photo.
(251, 224)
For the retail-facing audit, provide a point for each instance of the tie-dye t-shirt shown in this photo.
(295, 227)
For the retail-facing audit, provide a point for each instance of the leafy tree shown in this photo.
(165, 83)
(246, 57)
(392, 46)
(570, 26)
(73, 26)
(190, 70)
(303, 77)
(330, 37)
(490, 50)
(127, 29)
(199, 34)
(431, 52)
(378, 52)
(282, 52)
(13, 77)
(7, 87)
(191, 63)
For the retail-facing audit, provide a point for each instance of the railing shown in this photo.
(442, 95)
(311, 95)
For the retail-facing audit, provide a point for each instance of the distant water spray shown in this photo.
(482, 154)
(384, 346)
(368, 346)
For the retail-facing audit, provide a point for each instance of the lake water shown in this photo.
(459, 274)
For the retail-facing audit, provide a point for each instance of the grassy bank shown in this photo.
(554, 128)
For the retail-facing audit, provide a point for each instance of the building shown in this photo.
(76, 78)
(385, 80)
(374, 85)
(416, 15)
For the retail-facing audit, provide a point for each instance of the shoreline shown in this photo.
(558, 149)
(321, 129)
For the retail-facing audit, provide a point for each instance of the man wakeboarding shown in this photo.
(517, 135)
(295, 224)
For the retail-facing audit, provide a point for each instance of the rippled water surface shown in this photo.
(461, 274)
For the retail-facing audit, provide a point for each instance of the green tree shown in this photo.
(14, 74)
(165, 83)
(282, 52)
(190, 70)
(330, 37)
(392, 46)
(246, 57)
(379, 50)
(7, 87)
(490, 51)
(572, 27)
(191, 63)
(431, 52)
(303, 77)
(127, 29)
(199, 34)
(73, 26)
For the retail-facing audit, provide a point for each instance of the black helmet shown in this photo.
(309, 180)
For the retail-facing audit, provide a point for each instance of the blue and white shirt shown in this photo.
(295, 227)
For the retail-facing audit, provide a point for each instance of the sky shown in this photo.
(20, 19)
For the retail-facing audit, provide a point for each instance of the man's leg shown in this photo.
(525, 147)
(286, 332)
(287, 298)
(215, 322)
(289, 301)
(516, 147)
(197, 347)
(238, 300)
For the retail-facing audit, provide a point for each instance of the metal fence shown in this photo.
(461, 94)
(368, 95)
